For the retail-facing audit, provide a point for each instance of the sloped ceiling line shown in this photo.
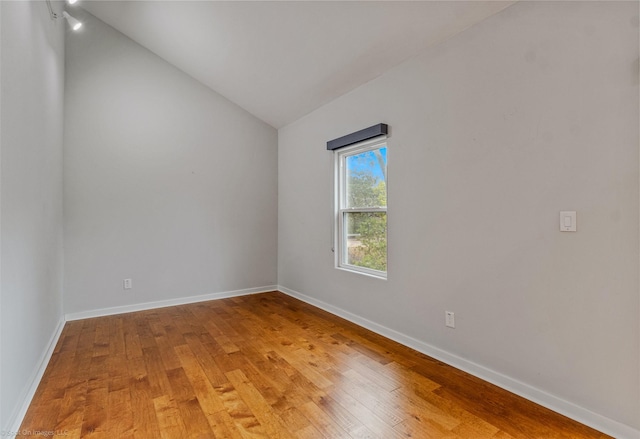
(282, 60)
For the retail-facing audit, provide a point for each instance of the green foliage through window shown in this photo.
(366, 188)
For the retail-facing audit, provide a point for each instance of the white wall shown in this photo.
(32, 80)
(166, 182)
(2, 425)
(493, 133)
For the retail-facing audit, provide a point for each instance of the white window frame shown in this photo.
(340, 195)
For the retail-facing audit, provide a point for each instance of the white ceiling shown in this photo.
(281, 60)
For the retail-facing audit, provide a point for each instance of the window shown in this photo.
(361, 207)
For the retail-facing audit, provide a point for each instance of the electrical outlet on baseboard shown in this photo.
(449, 319)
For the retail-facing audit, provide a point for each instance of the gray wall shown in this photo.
(494, 132)
(166, 182)
(31, 90)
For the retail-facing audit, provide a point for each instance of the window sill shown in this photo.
(382, 276)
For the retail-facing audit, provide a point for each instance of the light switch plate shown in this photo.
(568, 221)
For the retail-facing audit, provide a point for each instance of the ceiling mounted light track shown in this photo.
(74, 23)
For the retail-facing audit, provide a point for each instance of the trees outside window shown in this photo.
(362, 208)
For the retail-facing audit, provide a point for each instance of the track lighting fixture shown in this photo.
(75, 24)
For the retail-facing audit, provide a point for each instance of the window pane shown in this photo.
(366, 239)
(366, 179)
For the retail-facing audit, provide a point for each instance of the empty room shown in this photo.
(320, 219)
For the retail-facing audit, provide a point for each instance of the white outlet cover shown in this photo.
(449, 319)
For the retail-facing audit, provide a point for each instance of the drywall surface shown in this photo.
(493, 133)
(32, 80)
(2, 425)
(166, 182)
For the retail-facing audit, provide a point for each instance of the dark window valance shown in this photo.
(368, 133)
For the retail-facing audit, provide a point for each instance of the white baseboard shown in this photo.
(559, 405)
(16, 418)
(164, 303)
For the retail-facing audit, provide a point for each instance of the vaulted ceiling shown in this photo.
(280, 60)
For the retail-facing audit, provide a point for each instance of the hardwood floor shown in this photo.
(261, 366)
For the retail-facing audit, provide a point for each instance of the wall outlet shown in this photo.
(127, 284)
(449, 319)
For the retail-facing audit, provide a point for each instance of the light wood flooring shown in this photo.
(265, 366)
